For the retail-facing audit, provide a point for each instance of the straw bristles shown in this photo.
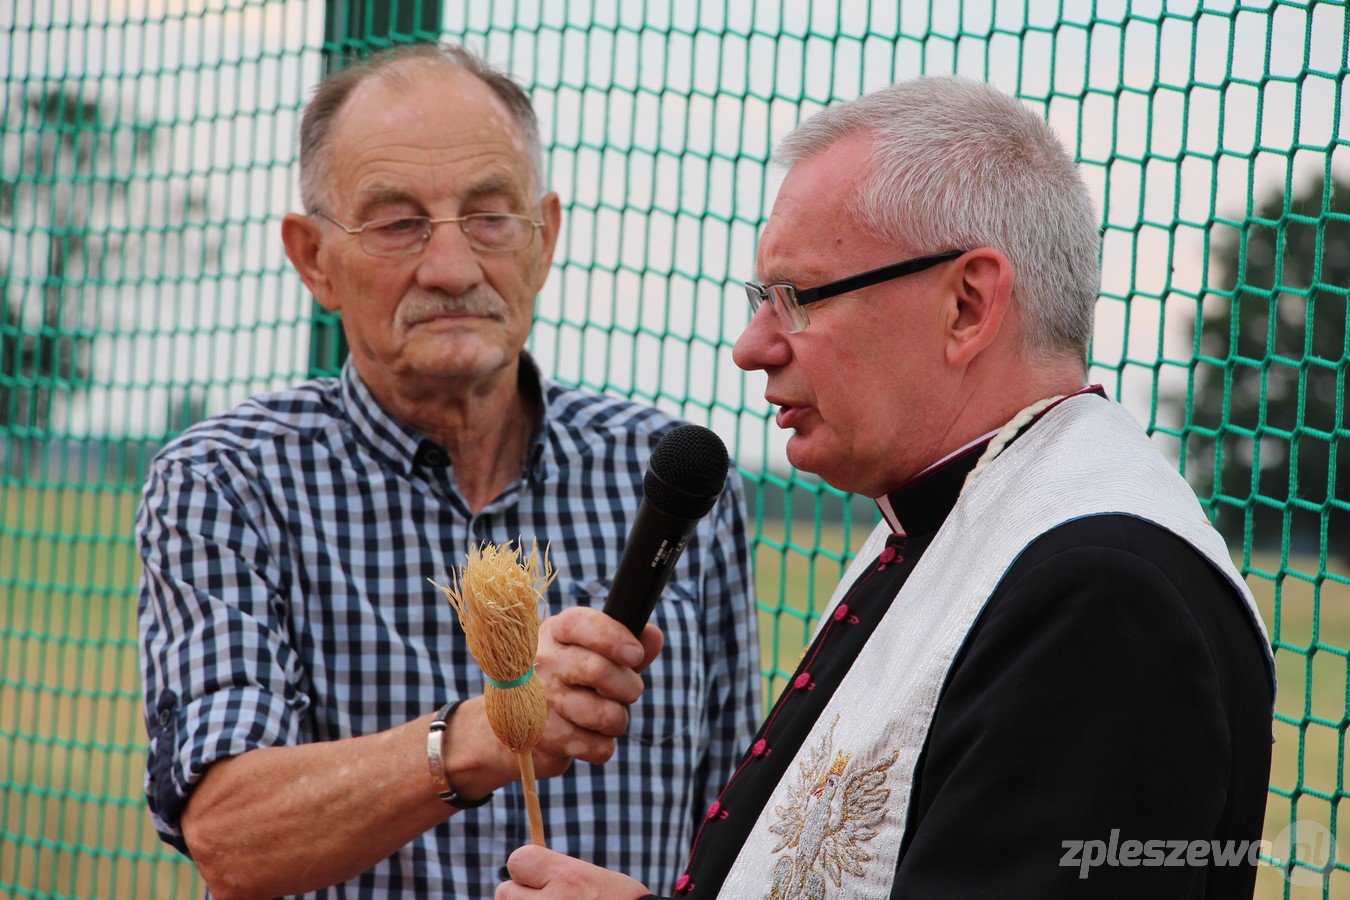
(498, 595)
(517, 715)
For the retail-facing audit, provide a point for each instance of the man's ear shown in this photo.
(981, 283)
(550, 211)
(300, 235)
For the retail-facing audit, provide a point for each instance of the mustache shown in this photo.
(421, 306)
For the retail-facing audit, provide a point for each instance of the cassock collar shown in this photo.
(922, 504)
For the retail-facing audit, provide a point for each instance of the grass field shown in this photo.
(71, 739)
(72, 820)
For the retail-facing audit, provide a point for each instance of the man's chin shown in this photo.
(829, 466)
(800, 455)
(463, 359)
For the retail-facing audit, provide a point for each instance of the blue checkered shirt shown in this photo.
(287, 546)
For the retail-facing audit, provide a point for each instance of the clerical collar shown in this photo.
(922, 504)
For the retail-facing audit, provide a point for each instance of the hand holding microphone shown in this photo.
(686, 475)
(589, 697)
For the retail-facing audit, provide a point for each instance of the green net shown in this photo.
(149, 153)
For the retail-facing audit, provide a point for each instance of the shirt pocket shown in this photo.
(672, 705)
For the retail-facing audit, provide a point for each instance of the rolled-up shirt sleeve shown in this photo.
(220, 675)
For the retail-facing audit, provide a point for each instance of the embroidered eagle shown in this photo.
(826, 823)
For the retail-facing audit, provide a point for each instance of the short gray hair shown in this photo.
(316, 125)
(958, 164)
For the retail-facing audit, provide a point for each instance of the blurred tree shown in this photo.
(1268, 383)
(65, 162)
(87, 218)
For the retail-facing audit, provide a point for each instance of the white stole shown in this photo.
(833, 825)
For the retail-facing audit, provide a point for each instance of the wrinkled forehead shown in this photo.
(436, 115)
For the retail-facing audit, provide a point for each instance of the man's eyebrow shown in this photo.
(778, 276)
(495, 184)
(379, 195)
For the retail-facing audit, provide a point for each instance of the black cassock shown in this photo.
(1114, 682)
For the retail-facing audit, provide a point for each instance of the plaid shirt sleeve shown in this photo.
(220, 675)
(732, 648)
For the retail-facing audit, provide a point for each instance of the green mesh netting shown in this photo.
(148, 155)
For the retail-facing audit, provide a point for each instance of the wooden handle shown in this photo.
(532, 798)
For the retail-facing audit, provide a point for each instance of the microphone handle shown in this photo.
(654, 546)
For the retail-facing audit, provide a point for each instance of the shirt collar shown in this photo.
(532, 388)
(406, 449)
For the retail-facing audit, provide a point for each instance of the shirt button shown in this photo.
(428, 454)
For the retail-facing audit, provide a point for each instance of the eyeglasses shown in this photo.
(789, 302)
(489, 232)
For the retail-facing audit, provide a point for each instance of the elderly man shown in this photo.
(295, 656)
(1042, 673)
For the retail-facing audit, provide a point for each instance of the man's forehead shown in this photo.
(796, 235)
(419, 76)
(416, 89)
(449, 128)
(773, 253)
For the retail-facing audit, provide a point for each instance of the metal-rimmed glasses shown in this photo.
(490, 232)
(789, 301)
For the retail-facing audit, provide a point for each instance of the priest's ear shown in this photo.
(981, 283)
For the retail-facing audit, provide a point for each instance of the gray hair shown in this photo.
(959, 164)
(316, 125)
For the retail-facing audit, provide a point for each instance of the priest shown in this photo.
(1042, 672)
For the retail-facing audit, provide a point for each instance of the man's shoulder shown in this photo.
(261, 421)
(1082, 570)
(1116, 549)
(586, 413)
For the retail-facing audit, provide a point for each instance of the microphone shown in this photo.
(685, 476)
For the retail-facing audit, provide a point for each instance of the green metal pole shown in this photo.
(354, 29)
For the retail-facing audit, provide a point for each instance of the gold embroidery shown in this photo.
(827, 821)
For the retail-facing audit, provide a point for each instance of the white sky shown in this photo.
(660, 116)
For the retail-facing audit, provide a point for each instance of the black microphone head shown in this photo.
(687, 472)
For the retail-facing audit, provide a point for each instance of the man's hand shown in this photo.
(538, 873)
(589, 665)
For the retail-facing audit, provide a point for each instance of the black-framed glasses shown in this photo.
(789, 301)
(490, 232)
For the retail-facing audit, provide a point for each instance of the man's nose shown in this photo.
(448, 262)
(763, 343)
